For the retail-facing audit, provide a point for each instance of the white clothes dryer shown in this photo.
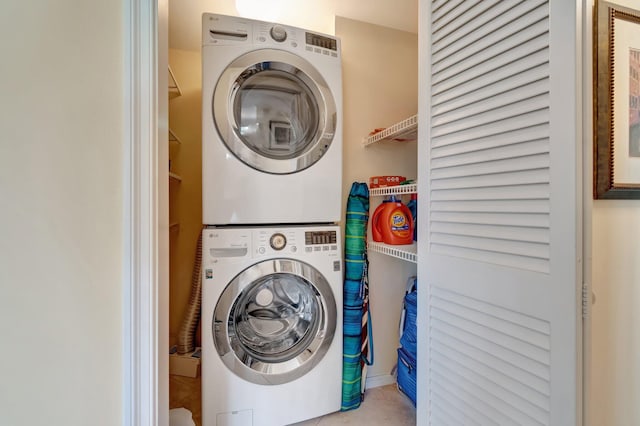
(271, 123)
(271, 324)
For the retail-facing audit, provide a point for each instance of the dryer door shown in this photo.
(274, 111)
(274, 321)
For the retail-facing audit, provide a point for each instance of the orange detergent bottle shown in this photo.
(392, 223)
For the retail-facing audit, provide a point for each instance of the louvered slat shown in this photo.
(519, 410)
(499, 16)
(517, 166)
(473, 111)
(527, 376)
(510, 151)
(495, 361)
(530, 395)
(492, 309)
(493, 245)
(493, 336)
(445, 102)
(489, 39)
(467, 84)
(505, 192)
(451, 76)
(512, 233)
(498, 258)
(458, 150)
(529, 220)
(463, 17)
(443, 412)
(483, 207)
(489, 130)
(470, 397)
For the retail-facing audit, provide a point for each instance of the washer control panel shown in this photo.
(241, 245)
(292, 240)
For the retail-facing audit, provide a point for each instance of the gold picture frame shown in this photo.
(616, 52)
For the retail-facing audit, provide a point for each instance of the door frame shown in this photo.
(145, 328)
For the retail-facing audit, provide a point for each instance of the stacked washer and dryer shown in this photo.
(272, 255)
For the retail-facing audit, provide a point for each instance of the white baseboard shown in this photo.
(377, 381)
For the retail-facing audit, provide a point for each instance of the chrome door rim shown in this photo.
(228, 86)
(252, 368)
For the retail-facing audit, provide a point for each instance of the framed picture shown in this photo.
(279, 135)
(616, 91)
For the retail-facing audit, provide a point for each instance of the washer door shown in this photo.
(274, 321)
(274, 111)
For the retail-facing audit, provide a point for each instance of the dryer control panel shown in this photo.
(221, 30)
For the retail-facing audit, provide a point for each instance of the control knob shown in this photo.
(278, 33)
(278, 241)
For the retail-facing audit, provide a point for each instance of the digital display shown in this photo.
(322, 41)
(320, 237)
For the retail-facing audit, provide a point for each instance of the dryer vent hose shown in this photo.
(187, 333)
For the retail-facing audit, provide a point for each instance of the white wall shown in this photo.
(380, 86)
(61, 213)
(615, 370)
(615, 338)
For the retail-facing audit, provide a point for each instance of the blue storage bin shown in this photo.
(409, 337)
(407, 378)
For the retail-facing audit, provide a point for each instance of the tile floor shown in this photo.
(382, 406)
(186, 392)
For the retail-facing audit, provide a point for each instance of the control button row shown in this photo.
(322, 51)
(293, 249)
(263, 39)
(320, 248)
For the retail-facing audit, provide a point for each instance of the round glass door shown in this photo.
(274, 111)
(277, 324)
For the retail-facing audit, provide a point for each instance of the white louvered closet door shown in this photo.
(500, 209)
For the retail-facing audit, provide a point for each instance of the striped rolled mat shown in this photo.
(355, 293)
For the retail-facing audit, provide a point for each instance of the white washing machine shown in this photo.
(271, 123)
(271, 324)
